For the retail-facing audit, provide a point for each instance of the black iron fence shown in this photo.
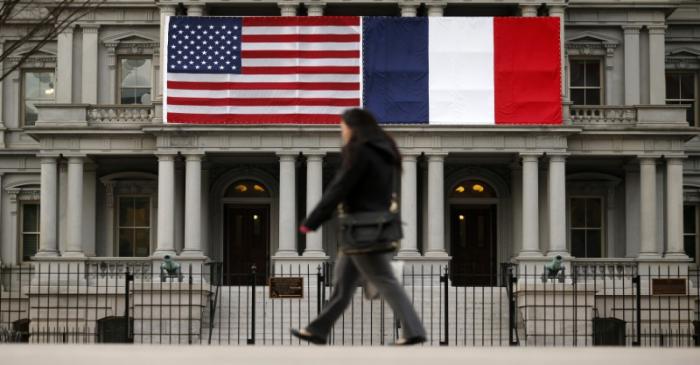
(586, 304)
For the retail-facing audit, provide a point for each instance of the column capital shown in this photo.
(530, 156)
(436, 156)
(314, 154)
(657, 28)
(287, 155)
(675, 159)
(648, 159)
(315, 9)
(166, 156)
(436, 8)
(409, 157)
(528, 10)
(196, 9)
(632, 28)
(194, 156)
(557, 9)
(557, 157)
(77, 159)
(68, 29)
(90, 28)
(316, 157)
(48, 159)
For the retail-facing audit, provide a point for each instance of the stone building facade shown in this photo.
(88, 171)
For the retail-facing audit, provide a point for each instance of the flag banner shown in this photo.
(406, 70)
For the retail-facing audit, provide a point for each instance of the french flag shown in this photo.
(412, 70)
(462, 71)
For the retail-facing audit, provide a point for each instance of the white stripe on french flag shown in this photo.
(462, 71)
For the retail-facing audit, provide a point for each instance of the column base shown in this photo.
(407, 254)
(286, 253)
(314, 254)
(554, 253)
(195, 254)
(74, 254)
(530, 254)
(649, 256)
(53, 253)
(161, 253)
(437, 254)
(677, 256)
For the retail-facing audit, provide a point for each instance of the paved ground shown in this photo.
(202, 355)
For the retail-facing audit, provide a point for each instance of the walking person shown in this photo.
(363, 187)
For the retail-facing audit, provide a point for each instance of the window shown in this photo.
(38, 86)
(681, 89)
(587, 227)
(585, 82)
(134, 226)
(135, 80)
(247, 189)
(473, 189)
(30, 230)
(690, 231)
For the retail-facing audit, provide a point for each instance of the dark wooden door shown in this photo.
(246, 243)
(473, 246)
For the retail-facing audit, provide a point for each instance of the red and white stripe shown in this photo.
(294, 70)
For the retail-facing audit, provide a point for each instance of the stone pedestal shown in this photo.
(169, 313)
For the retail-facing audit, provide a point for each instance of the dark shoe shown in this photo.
(410, 341)
(307, 336)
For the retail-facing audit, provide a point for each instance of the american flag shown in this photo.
(225, 70)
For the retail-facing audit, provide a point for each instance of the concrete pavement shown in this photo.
(259, 355)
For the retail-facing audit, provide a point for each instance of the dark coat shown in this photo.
(364, 186)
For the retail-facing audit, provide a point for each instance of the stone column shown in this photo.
(632, 210)
(409, 9)
(315, 9)
(165, 11)
(516, 175)
(89, 208)
(528, 10)
(205, 207)
(48, 244)
(166, 205)
(64, 66)
(193, 206)
(409, 206)
(556, 189)
(558, 11)
(179, 208)
(314, 191)
(657, 64)
(74, 211)
(437, 9)
(632, 68)
(674, 208)
(90, 60)
(1, 194)
(530, 207)
(287, 206)
(288, 9)
(436, 206)
(2, 123)
(195, 9)
(647, 170)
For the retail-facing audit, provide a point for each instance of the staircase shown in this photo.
(478, 316)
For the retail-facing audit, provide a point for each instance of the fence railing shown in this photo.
(136, 302)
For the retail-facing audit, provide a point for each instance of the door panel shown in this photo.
(246, 242)
(473, 246)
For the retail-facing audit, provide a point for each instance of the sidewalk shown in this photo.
(203, 355)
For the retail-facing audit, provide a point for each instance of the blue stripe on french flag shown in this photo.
(462, 71)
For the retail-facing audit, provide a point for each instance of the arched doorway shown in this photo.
(473, 233)
(246, 231)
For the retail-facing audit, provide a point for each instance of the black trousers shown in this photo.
(377, 270)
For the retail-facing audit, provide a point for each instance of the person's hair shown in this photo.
(365, 128)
